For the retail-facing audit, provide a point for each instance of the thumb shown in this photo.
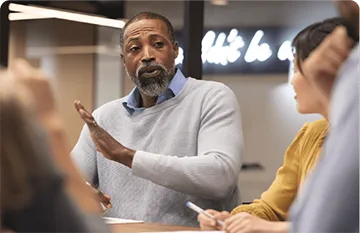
(340, 35)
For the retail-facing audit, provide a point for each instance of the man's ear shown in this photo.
(122, 58)
(176, 48)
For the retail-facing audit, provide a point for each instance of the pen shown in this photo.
(201, 211)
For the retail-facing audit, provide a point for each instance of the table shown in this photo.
(147, 227)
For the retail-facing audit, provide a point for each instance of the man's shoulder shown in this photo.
(209, 86)
(212, 94)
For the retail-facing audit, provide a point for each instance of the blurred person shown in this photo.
(268, 213)
(40, 185)
(329, 201)
(171, 140)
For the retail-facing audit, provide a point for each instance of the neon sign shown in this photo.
(215, 52)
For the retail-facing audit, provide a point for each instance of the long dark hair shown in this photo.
(308, 39)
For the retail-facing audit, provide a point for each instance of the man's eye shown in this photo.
(159, 44)
(134, 48)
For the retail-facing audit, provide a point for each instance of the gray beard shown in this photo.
(153, 86)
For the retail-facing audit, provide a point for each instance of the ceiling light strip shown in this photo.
(59, 14)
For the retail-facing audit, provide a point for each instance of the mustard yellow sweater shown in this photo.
(300, 158)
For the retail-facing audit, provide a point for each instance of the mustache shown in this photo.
(145, 66)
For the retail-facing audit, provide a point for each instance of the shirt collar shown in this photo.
(176, 84)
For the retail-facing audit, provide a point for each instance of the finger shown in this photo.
(105, 199)
(328, 70)
(206, 219)
(334, 58)
(341, 50)
(238, 228)
(86, 116)
(22, 69)
(222, 215)
(240, 221)
(339, 42)
(234, 220)
(234, 225)
(340, 33)
(39, 74)
(86, 113)
(205, 222)
(77, 105)
(212, 212)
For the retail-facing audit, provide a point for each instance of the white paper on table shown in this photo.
(109, 220)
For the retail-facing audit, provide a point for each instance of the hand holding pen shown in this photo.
(209, 219)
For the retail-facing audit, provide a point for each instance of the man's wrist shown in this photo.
(126, 157)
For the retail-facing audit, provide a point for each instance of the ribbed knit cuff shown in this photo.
(144, 164)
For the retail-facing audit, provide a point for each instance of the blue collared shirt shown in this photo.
(177, 83)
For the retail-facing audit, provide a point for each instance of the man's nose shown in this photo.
(148, 55)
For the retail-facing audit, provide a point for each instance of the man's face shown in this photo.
(149, 55)
(349, 10)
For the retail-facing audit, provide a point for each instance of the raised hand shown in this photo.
(323, 64)
(36, 82)
(104, 142)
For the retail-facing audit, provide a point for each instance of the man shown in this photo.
(172, 139)
(329, 201)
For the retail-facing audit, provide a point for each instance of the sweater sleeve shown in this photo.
(213, 173)
(276, 201)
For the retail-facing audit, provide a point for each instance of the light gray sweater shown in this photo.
(187, 148)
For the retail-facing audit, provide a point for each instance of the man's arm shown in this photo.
(213, 173)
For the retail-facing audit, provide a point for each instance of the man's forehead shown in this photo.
(145, 25)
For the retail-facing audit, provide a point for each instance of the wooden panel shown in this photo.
(74, 81)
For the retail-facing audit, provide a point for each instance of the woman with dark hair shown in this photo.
(269, 213)
(41, 190)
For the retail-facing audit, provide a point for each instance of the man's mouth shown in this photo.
(150, 72)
